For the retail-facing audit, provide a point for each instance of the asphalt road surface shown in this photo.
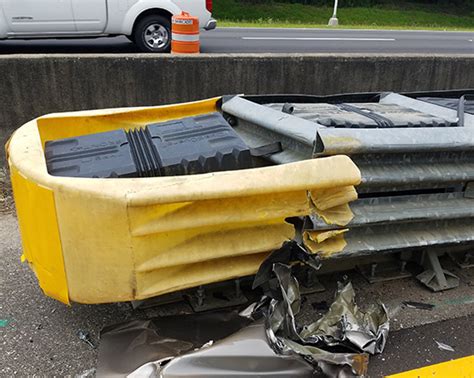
(258, 40)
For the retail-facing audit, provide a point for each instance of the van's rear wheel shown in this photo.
(153, 34)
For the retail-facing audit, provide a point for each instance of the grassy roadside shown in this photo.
(272, 24)
(388, 16)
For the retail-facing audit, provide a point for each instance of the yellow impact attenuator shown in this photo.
(460, 368)
(106, 240)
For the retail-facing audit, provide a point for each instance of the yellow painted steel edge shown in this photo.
(460, 368)
(37, 220)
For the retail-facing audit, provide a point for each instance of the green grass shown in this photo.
(398, 15)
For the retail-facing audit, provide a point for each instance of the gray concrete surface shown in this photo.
(39, 335)
(278, 40)
(33, 85)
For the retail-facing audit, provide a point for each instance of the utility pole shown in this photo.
(333, 21)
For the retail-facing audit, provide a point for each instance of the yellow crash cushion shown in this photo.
(109, 240)
(38, 224)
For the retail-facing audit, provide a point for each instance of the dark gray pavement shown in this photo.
(414, 348)
(266, 40)
(39, 335)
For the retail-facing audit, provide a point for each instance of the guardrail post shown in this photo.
(463, 259)
(393, 269)
(309, 282)
(434, 276)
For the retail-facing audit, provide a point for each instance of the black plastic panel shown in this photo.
(201, 144)
(96, 155)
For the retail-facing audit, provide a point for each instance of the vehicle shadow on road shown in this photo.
(69, 46)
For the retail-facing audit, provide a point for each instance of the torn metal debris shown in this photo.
(127, 346)
(444, 346)
(344, 325)
(290, 251)
(243, 354)
(86, 337)
(419, 305)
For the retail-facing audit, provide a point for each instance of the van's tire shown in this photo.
(153, 34)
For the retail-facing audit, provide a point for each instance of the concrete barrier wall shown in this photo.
(33, 85)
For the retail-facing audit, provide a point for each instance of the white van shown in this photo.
(145, 22)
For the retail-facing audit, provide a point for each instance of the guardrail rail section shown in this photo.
(416, 157)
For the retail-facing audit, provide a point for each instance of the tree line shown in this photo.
(365, 3)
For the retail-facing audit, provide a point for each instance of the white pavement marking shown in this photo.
(319, 39)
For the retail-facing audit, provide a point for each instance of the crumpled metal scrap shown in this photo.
(344, 325)
(290, 252)
(337, 344)
(130, 345)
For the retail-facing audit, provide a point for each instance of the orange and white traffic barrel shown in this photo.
(185, 34)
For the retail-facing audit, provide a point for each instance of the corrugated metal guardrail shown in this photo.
(416, 189)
